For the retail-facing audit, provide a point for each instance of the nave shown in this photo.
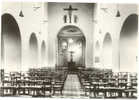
(69, 50)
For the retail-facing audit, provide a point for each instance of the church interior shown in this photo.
(69, 50)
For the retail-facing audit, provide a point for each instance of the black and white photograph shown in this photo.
(69, 50)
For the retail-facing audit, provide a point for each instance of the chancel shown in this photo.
(69, 50)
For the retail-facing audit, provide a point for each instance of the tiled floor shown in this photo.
(72, 87)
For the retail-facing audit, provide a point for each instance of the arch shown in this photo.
(10, 44)
(128, 44)
(43, 53)
(107, 51)
(70, 29)
(68, 37)
(33, 43)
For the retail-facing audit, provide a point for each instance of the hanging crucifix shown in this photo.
(70, 9)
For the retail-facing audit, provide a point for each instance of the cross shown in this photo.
(71, 55)
(70, 9)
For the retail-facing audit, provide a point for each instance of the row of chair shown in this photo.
(109, 84)
(35, 82)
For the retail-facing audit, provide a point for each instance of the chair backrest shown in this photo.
(133, 80)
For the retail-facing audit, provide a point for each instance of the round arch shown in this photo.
(10, 41)
(33, 44)
(107, 51)
(128, 44)
(71, 38)
(70, 28)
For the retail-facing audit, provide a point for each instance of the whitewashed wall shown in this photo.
(93, 21)
(85, 15)
(107, 22)
(32, 22)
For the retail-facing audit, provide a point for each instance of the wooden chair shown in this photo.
(58, 86)
(132, 86)
(86, 87)
(59, 81)
(122, 83)
(111, 87)
(47, 87)
(7, 87)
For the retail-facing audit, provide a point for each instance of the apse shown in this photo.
(43, 53)
(128, 44)
(33, 51)
(71, 40)
(10, 44)
(107, 51)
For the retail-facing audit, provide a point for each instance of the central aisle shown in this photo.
(72, 87)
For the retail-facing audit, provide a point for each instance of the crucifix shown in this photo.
(71, 56)
(70, 9)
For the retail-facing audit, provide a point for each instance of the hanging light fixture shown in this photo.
(21, 12)
(118, 12)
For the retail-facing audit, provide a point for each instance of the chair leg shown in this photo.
(94, 94)
(61, 92)
(54, 92)
(127, 94)
(85, 93)
(132, 93)
(105, 94)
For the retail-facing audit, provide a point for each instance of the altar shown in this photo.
(71, 64)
